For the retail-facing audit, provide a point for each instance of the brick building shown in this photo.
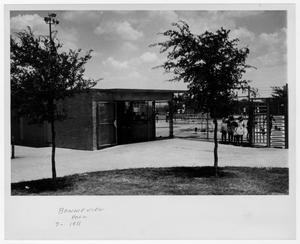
(98, 118)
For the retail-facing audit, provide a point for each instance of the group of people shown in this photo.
(233, 130)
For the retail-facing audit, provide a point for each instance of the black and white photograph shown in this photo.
(149, 103)
(156, 102)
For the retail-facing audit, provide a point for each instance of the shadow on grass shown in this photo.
(195, 172)
(67, 182)
(163, 181)
(43, 185)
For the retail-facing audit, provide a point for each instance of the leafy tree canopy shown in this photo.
(211, 64)
(41, 74)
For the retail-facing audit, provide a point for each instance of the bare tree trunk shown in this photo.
(12, 150)
(216, 147)
(53, 153)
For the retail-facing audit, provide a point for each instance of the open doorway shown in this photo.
(135, 121)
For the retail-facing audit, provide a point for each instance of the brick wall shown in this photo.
(77, 130)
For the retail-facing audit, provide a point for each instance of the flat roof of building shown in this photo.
(129, 90)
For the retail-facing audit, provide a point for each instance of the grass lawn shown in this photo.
(164, 181)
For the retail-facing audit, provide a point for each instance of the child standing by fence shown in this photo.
(239, 131)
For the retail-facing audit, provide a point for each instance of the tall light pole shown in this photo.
(50, 20)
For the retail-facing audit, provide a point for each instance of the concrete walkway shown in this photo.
(34, 163)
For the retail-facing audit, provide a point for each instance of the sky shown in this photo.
(120, 42)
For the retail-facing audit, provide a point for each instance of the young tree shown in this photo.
(42, 75)
(211, 64)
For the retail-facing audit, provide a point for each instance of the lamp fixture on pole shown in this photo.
(51, 20)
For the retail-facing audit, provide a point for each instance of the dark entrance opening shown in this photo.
(135, 121)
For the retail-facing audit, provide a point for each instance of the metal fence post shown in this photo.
(268, 123)
(286, 118)
(250, 123)
(171, 133)
(207, 127)
(154, 119)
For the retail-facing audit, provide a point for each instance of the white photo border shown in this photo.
(157, 217)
